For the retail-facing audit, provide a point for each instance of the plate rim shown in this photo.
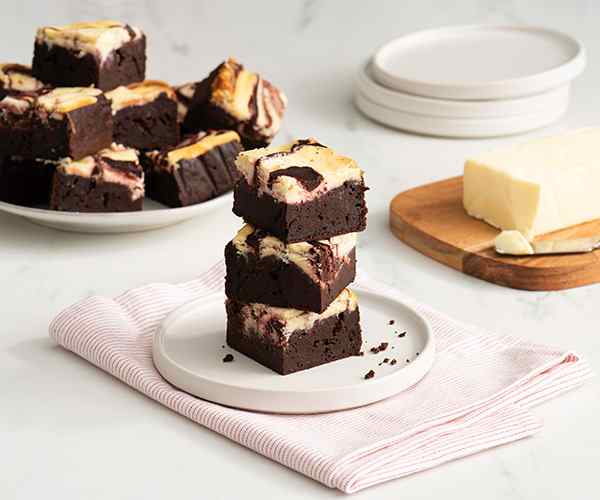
(476, 90)
(366, 85)
(420, 368)
(46, 214)
(441, 126)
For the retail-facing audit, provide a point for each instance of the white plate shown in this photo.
(153, 216)
(553, 99)
(457, 127)
(479, 62)
(188, 353)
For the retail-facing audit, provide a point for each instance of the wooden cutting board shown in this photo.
(432, 220)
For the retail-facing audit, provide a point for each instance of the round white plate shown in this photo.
(153, 216)
(188, 352)
(479, 62)
(553, 99)
(457, 127)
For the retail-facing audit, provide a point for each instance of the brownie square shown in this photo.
(235, 99)
(65, 122)
(104, 54)
(110, 181)
(25, 181)
(198, 169)
(289, 340)
(302, 191)
(145, 115)
(307, 276)
(16, 79)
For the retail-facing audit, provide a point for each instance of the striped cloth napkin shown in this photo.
(476, 396)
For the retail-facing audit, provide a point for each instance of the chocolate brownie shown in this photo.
(26, 181)
(307, 276)
(105, 54)
(16, 79)
(198, 169)
(112, 180)
(302, 191)
(65, 122)
(290, 340)
(236, 99)
(145, 115)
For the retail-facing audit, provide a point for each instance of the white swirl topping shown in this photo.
(258, 316)
(257, 165)
(301, 254)
(100, 37)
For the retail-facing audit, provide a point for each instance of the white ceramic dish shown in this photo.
(188, 353)
(457, 127)
(554, 99)
(153, 216)
(479, 62)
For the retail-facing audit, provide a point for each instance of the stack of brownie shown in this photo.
(81, 130)
(288, 307)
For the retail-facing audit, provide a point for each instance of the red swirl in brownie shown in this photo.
(307, 275)
(288, 340)
(300, 191)
(111, 180)
(297, 172)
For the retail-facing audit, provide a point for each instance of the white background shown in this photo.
(69, 431)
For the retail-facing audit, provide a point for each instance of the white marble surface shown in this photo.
(69, 431)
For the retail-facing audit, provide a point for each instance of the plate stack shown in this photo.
(470, 81)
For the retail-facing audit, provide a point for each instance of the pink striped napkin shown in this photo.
(476, 396)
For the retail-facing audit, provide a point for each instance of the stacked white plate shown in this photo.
(470, 81)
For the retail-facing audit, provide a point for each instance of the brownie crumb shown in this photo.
(380, 348)
(391, 322)
(222, 347)
(418, 353)
(386, 360)
(228, 358)
(361, 353)
(408, 360)
(403, 334)
(393, 362)
(369, 374)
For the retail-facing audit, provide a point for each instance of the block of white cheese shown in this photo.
(537, 187)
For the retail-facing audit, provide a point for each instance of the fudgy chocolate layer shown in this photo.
(338, 211)
(147, 126)
(25, 182)
(278, 283)
(62, 67)
(79, 133)
(73, 193)
(328, 340)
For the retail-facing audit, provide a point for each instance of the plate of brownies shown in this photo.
(291, 337)
(88, 144)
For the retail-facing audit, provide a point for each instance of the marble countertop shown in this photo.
(70, 430)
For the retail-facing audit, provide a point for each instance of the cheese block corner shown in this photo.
(539, 186)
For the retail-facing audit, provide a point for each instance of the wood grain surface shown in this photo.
(432, 220)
